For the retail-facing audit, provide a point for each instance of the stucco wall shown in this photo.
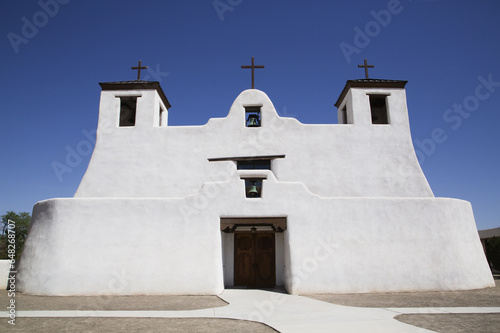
(361, 216)
(4, 273)
(174, 246)
(119, 246)
(354, 160)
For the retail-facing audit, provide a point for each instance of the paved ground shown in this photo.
(455, 323)
(117, 315)
(443, 323)
(120, 325)
(488, 297)
(160, 303)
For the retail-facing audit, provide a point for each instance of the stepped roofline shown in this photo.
(369, 83)
(136, 85)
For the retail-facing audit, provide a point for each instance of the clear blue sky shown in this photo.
(50, 91)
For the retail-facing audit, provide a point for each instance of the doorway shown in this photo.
(253, 251)
(254, 259)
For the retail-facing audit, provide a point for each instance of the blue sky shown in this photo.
(54, 56)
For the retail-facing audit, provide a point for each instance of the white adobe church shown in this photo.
(252, 200)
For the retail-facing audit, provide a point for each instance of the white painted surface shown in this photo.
(4, 273)
(146, 217)
(228, 257)
(359, 160)
(149, 246)
(119, 246)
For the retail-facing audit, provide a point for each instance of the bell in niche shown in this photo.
(253, 120)
(253, 192)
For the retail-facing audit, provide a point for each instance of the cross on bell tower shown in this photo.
(366, 66)
(139, 67)
(253, 66)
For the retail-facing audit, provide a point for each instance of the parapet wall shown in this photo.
(90, 246)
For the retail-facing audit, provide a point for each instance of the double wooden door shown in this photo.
(254, 259)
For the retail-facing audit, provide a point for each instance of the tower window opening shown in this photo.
(161, 120)
(378, 107)
(343, 115)
(128, 109)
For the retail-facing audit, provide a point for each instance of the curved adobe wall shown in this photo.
(355, 160)
(91, 246)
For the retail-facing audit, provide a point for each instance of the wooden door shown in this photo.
(254, 259)
(265, 258)
(243, 259)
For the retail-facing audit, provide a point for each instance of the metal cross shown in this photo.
(253, 66)
(366, 66)
(139, 67)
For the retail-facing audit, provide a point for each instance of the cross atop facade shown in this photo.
(253, 66)
(139, 67)
(366, 66)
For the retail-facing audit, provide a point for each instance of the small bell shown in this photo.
(253, 192)
(253, 120)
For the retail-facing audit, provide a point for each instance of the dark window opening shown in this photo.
(128, 107)
(378, 107)
(252, 116)
(254, 165)
(343, 115)
(253, 188)
(161, 116)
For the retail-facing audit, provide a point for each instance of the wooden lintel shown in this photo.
(229, 224)
(246, 158)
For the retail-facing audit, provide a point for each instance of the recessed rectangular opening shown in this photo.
(234, 260)
(161, 118)
(343, 115)
(252, 116)
(378, 107)
(254, 165)
(253, 188)
(128, 109)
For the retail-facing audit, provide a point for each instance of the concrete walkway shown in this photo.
(291, 313)
(283, 312)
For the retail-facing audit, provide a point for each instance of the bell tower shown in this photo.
(133, 104)
(370, 102)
